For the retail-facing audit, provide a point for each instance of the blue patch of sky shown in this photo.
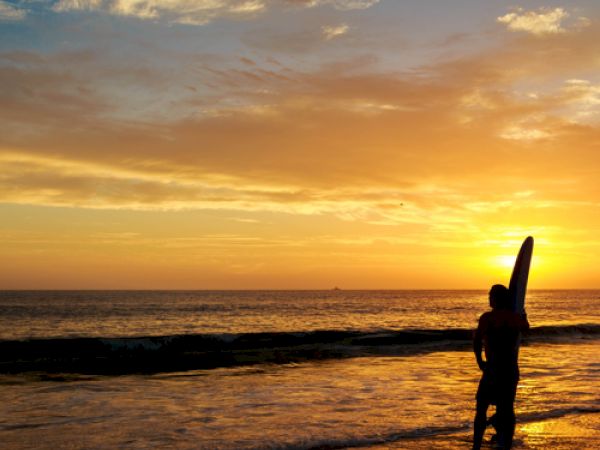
(400, 35)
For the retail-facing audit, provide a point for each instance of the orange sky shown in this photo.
(297, 144)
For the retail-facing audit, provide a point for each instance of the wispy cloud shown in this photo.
(333, 31)
(59, 181)
(583, 91)
(542, 22)
(337, 4)
(520, 133)
(11, 13)
(196, 12)
(351, 4)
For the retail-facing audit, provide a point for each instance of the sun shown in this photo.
(505, 261)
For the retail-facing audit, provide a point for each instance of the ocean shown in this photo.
(283, 369)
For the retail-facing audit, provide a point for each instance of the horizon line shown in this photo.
(275, 289)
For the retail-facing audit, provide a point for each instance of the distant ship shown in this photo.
(336, 289)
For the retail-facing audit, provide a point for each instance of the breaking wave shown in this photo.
(113, 355)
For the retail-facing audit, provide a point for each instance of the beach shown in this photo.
(395, 394)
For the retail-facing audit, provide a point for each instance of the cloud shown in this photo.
(582, 91)
(580, 101)
(520, 133)
(341, 138)
(196, 12)
(351, 4)
(333, 31)
(344, 5)
(542, 22)
(192, 12)
(55, 181)
(11, 13)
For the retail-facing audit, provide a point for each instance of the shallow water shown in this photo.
(400, 401)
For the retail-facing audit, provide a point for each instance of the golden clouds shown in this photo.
(544, 21)
(299, 146)
(521, 133)
(582, 101)
(31, 179)
(333, 31)
(281, 139)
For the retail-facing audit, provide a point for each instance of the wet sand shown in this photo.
(569, 432)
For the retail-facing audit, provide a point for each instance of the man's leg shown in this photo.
(506, 416)
(493, 421)
(480, 422)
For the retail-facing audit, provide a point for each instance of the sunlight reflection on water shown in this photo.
(353, 401)
(131, 313)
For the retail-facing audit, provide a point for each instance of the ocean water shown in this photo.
(43, 314)
(285, 369)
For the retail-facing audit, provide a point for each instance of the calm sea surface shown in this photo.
(392, 369)
(41, 314)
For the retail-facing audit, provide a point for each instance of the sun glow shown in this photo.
(505, 261)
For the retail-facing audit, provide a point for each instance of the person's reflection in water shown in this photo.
(498, 332)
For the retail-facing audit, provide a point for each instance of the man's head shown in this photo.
(499, 297)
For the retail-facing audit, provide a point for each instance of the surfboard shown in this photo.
(520, 274)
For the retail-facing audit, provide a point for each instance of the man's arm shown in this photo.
(478, 345)
(523, 322)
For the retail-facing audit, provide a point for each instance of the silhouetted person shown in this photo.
(498, 333)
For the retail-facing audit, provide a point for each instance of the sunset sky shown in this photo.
(221, 144)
